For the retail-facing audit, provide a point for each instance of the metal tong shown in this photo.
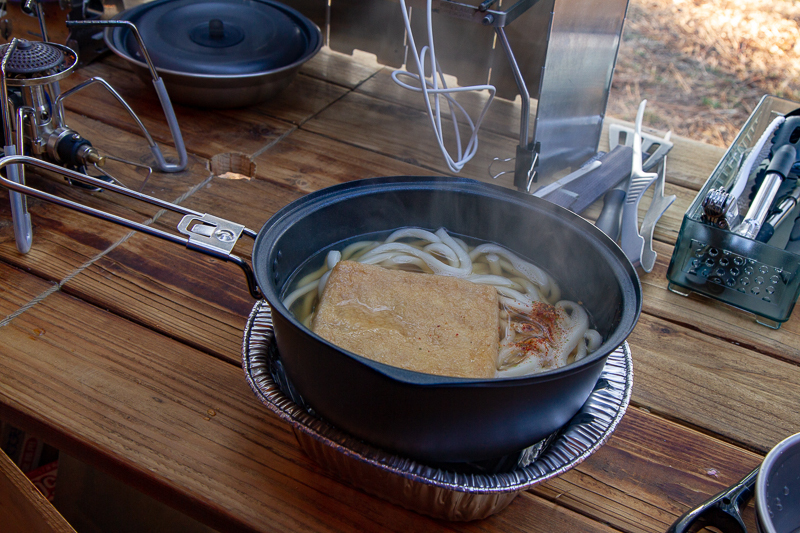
(721, 205)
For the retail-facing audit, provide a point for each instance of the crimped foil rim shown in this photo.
(589, 429)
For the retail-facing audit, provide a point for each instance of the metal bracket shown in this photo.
(210, 233)
(497, 18)
(525, 166)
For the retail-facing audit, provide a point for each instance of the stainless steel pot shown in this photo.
(778, 488)
(432, 418)
(218, 53)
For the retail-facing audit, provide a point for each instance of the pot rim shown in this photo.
(315, 38)
(278, 223)
(762, 509)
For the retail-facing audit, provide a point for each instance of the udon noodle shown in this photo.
(538, 330)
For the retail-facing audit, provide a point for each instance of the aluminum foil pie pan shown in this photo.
(446, 493)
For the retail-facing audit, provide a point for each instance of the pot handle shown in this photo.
(207, 234)
(722, 511)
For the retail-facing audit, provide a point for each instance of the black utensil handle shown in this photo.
(609, 220)
(785, 145)
(765, 233)
(722, 511)
(793, 245)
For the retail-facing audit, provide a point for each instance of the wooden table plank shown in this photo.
(18, 288)
(713, 384)
(185, 428)
(151, 391)
(308, 162)
(341, 69)
(178, 304)
(650, 472)
(716, 318)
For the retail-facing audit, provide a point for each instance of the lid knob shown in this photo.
(216, 34)
(216, 29)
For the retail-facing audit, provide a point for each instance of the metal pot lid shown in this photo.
(219, 37)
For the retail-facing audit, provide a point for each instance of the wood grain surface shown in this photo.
(124, 350)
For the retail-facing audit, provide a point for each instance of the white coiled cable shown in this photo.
(437, 88)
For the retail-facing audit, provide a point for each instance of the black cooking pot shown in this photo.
(427, 417)
(431, 417)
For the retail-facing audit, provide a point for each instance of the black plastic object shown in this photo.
(611, 216)
(766, 232)
(435, 418)
(784, 148)
(616, 167)
(722, 511)
(579, 194)
(793, 245)
(225, 37)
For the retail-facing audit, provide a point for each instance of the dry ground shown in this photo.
(703, 65)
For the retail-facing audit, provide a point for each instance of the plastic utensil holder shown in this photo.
(752, 276)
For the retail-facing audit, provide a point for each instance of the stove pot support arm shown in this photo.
(161, 90)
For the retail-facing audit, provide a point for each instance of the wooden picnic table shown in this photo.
(124, 351)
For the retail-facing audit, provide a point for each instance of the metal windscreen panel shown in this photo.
(573, 94)
(527, 36)
(374, 26)
(315, 10)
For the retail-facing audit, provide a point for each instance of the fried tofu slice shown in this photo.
(422, 322)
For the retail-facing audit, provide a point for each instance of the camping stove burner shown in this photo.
(36, 63)
(33, 58)
(33, 124)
